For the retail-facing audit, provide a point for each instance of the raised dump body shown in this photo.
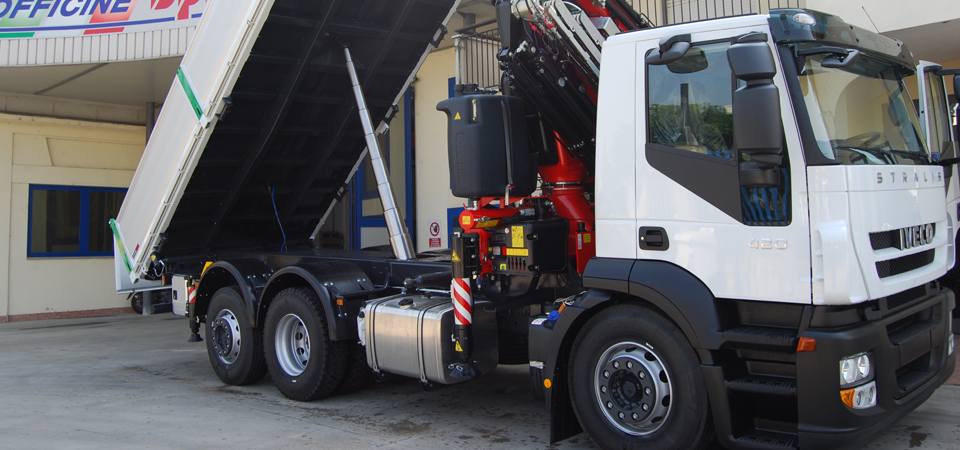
(261, 127)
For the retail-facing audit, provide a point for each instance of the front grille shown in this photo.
(893, 238)
(902, 298)
(904, 264)
(885, 239)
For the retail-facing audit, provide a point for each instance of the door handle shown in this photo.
(654, 238)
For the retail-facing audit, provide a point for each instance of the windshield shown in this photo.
(862, 114)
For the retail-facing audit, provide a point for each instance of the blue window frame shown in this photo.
(71, 221)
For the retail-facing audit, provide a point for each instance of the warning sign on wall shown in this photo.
(434, 235)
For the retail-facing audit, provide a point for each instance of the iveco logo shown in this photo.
(911, 237)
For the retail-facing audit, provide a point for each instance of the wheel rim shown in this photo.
(226, 336)
(293, 345)
(633, 388)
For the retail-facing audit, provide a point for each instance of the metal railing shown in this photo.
(670, 12)
(477, 55)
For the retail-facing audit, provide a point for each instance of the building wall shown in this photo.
(39, 150)
(888, 15)
(96, 48)
(433, 175)
(37, 105)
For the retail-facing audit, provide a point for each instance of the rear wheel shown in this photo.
(235, 348)
(303, 362)
(635, 382)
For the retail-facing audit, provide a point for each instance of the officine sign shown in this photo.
(61, 18)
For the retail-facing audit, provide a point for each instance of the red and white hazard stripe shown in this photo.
(192, 293)
(462, 301)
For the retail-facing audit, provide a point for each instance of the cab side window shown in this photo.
(690, 136)
(691, 102)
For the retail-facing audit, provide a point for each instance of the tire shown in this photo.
(632, 361)
(136, 302)
(235, 348)
(303, 362)
(357, 373)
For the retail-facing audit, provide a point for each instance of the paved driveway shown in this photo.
(123, 381)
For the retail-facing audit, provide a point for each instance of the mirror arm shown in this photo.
(835, 61)
(671, 48)
(839, 57)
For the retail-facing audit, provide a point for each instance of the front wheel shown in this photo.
(235, 348)
(136, 302)
(635, 382)
(303, 362)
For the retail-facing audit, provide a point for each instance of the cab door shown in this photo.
(742, 242)
(935, 114)
(936, 120)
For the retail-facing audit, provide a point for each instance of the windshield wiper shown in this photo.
(917, 156)
(885, 155)
(890, 155)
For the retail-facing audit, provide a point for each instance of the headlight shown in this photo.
(862, 397)
(949, 335)
(856, 368)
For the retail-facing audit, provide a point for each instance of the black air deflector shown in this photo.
(293, 132)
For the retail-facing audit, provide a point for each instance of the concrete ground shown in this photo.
(123, 381)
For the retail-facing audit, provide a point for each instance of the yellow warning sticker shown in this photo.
(517, 252)
(456, 257)
(458, 117)
(517, 233)
(459, 348)
(586, 238)
(465, 220)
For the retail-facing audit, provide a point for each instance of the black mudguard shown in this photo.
(248, 274)
(328, 279)
(676, 292)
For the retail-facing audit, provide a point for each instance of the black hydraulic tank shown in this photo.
(487, 146)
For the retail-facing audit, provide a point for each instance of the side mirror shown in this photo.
(757, 125)
(693, 61)
(956, 86)
(671, 49)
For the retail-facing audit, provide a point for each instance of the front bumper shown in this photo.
(910, 361)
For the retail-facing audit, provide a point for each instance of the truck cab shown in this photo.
(763, 182)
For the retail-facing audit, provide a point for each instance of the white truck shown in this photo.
(729, 230)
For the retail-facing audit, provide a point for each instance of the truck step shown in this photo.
(768, 440)
(760, 384)
(765, 336)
